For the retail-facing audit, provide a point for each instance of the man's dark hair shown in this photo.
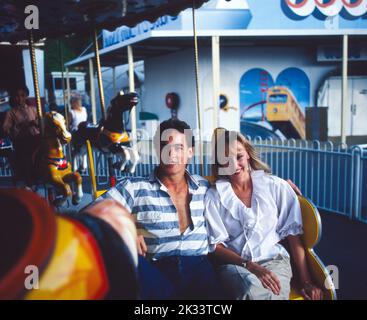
(14, 92)
(18, 88)
(180, 126)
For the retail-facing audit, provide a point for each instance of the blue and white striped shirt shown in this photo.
(157, 220)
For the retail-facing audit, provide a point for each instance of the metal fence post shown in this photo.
(357, 186)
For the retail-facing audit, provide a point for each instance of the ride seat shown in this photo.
(312, 230)
(88, 130)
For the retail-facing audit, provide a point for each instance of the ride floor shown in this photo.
(343, 244)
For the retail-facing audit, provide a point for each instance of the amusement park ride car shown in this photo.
(82, 256)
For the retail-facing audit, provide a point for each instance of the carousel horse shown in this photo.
(50, 163)
(47, 255)
(110, 136)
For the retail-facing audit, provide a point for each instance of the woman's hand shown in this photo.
(308, 289)
(267, 278)
(311, 292)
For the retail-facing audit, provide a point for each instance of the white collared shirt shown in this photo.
(253, 233)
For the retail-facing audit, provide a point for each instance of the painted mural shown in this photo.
(292, 85)
(253, 89)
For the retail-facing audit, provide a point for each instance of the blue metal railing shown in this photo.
(333, 177)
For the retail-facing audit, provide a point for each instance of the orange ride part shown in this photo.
(75, 270)
(116, 137)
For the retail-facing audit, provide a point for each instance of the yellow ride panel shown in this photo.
(76, 269)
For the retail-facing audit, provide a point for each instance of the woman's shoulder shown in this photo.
(212, 192)
(263, 176)
(263, 179)
(220, 193)
(278, 184)
(215, 189)
(275, 179)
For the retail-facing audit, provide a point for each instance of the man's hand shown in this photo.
(142, 247)
(294, 187)
(120, 219)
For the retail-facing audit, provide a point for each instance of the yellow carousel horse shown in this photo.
(51, 164)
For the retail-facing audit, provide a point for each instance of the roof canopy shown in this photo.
(62, 17)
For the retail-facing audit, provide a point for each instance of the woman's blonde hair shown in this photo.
(226, 136)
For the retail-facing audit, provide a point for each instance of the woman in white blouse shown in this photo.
(78, 114)
(248, 213)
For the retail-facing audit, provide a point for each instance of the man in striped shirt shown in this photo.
(168, 207)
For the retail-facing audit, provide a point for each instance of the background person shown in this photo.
(21, 124)
(78, 114)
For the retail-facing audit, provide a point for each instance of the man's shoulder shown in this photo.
(133, 180)
(128, 187)
(139, 179)
(202, 182)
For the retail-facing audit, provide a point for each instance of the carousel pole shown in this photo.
(68, 91)
(344, 111)
(216, 78)
(130, 58)
(66, 102)
(112, 178)
(114, 80)
(99, 74)
(92, 92)
(92, 173)
(35, 83)
(196, 53)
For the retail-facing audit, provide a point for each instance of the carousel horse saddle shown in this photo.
(89, 131)
(116, 137)
(79, 257)
(59, 163)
